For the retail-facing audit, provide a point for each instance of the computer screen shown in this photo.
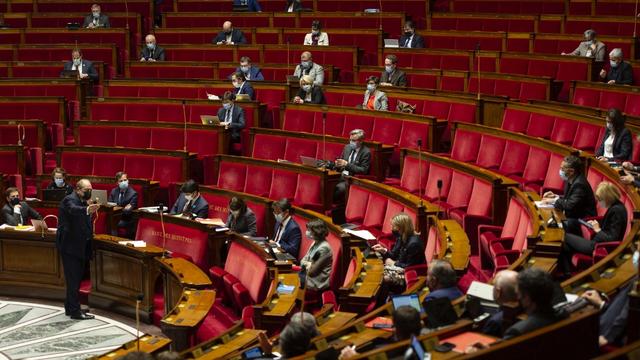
(411, 300)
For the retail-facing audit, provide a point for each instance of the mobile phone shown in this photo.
(444, 347)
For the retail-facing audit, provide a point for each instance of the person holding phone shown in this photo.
(611, 228)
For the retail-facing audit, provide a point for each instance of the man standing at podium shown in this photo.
(73, 241)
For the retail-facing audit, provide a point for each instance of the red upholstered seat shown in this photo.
(540, 125)
(587, 136)
(465, 146)
(283, 184)
(564, 131)
(356, 205)
(438, 173)
(308, 192)
(268, 147)
(105, 164)
(535, 169)
(459, 192)
(553, 182)
(515, 120)
(374, 213)
(491, 152)
(476, 213)
(414, 175)
(232, 176)
(296, 147)
(515, 160)
(386, 131)
(259, 180)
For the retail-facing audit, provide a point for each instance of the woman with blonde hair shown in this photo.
(611, 228)
(408, 250)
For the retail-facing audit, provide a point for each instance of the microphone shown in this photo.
(288, 57)
(380, 13)
(22, 135)
(139, 299)
(164, 235)
(420, 170)
(126, 12)
(477, 50)
(44, 223)
(439, 185)
(184, 118)
(635, 19)
(324, 136)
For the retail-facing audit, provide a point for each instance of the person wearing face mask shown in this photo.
(250, 72)
(611, 228)
(96, 19)
(85, 68)
(59, 177)
(241, 86)
(251, 5)
(408, 250)
(293, 6)
(355, 160)
(409, 38)
(392, 76)
(286, 233)
(16, 212)
(229, 35)
(125, 197)
(616, 144)
(318, 259)
(190, 204)
(241, 219)
(620, 72)
(308, 67)
(374, 99)
(590, 47)
(316, 37)
(504, 294)
(151, 51)
(231, 116)
(578, 201)
(309, 93)
(614, 314)
(74, 236)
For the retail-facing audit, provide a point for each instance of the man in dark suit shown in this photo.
(231, 116)
(151, 51)
(620, 72)
(73, 241)
(252, 5)
(505, 295)
(16, 212)
(441, 280)
(250, 72)
(578, 201)
(125, 197)
(355, 160)
(293, 6)
(96, 19)
(410, 39)
(84, 68)
(241, 86)
(190, 203)
(229, 35)
(286, 234)
(392, 76)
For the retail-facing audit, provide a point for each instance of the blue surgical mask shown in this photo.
(371, 87)
(315, 32)
(609, 126)
(636, 259)
(308, 234)
(602, 204)
(123, 185)
(226, 106)
(563, 175)
(306, 88)
(306, 64)
(353, 145)
(77, 62)
(151, 46)
(236, 84)
(96, 14)
(244, 69)
(278, 217)
(613, 63)
(58, 182)
(388, 68)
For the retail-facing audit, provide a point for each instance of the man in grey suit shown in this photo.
(96, 19)
(308, 67)
(355, 160)
(590, 47)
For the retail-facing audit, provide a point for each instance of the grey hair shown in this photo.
(358, 132)
(590, 34)
(443, 271)
(616, 53)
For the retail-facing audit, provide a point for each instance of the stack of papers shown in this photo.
(134, 243)
(363, 234)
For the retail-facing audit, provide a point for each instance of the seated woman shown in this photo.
(309, 93)
(316, 36)
(374, 99)
(611, 228)
(616, 144)
(318, 260)
(59, 177)
(408, 250)
(241, 219)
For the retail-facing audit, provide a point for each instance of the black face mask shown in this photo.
(227, 32)
(408, 33)
(87, 195)
(14, 201)
(395, 233)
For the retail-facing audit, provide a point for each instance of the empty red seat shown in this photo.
(491, 152)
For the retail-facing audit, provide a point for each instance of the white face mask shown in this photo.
(308, 234)
(636, 259)
(278, 217)
(563, 175)
(613, 63)
(189, 197)
(602, 204)
(235, 213)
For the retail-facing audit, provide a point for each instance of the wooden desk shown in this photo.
(334, 321)
(181, 322)
(233, 341)
(358, 293)
(179, 274)
(276, 308)
(148, 344)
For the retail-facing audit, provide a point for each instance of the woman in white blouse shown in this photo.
(616, 143)
(316, 37)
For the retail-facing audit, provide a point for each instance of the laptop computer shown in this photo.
(39, 225)
(242, 97)
(310, 161)
(407, 300)
(99, 196)
(69, 74)
(391, 43)
(53, 194)
(292, 78)
(210, 119)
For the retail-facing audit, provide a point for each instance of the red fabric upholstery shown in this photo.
(491, 152)
(466, 146)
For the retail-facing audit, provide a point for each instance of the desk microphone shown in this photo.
(289, 57)
(477, 50)
(184, 118)
(420, 170)
(139, 299)
(324, 136)
(43, 222)
(164, 235)
(21, 135)
(439, 185)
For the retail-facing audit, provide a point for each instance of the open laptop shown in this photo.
(39, 225)
(99, 196)
(69, 74)
(310, 161)
(292, 79)
(391, 43)
(407, 300)
(210, 119)
(53, 194)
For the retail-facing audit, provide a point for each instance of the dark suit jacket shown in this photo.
(533, 322)
(255, 74)
(129, 196)
(157, 55)
(200, 208)
(578, 201)
(14, 219)
(66, 186)
(290, 239)
(398, 78)
(360, 165)
(246, 88)
(613, 225)
(613, 321)
(451, 293)
(416, 43)
(317, 95)
(252, 5)
(297, 5)
(103, 21)
(237, 37)
(245, 224)
(87, 68)
(623, 74)
(75, 231)
(409, 254)
(237, 120)
(621, 145)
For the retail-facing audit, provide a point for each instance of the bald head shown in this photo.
(306, 56)
(504, 287)
(227, 26)
(150, 39)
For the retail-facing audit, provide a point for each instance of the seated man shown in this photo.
(231, 116)
(125, 197)
(240, 86)
(59, 177)
(441, 280)
(590, 47)
(505, 295)
(355, 160)
(190, 203)
(392, 76)
(316, 37)
(308, 67)
(16, 212)
(229, 35)
(620, 72)
(252, 5)
(251, 72)
(295, 338)
(287, 234)
(84, 68)
(96, 19)
(151, 51)
(410, 39)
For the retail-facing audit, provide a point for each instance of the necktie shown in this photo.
(408, 43)
(187, 206)
(352, 156)
(277, 237)
(314, 40)
(227, 116)
(120, 199)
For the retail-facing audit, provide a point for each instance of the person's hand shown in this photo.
(626, 179)
(83, 76)
(548, 195)
(611, 82)
(91, 209)
(348, 352)
(593, 298)
(595, 224)
(385, 84)
(603, 73)
(475, 347)
(389, 262)
(563, 53)
(601, 158)
(297, 100)
(602, 341)
(128, 207)
(265, 344)
(91, 25)
(220, 43)
(628, 165)
(379, 248)
(143, 59)
(271, 242)
(341, 163)
(152, 60)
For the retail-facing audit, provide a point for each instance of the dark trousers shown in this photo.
(73, 272)
(572, 226)
(573, 244)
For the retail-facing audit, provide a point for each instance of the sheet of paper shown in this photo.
(134, 243)
(363, 234)
(542, 205)
(481, 290)
(214, 221)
